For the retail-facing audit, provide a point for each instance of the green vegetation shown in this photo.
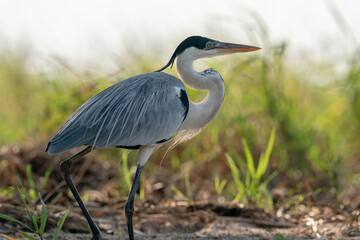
(314, 108)
(253, 188)
(188, 197)
(124, 171)
(38, 230)
(32, 189)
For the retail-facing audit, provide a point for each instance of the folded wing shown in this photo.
(139, 111)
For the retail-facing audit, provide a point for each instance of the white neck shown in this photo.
(200, 114)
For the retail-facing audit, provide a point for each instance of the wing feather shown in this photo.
(138, 111)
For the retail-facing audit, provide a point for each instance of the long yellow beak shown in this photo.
(234, 48)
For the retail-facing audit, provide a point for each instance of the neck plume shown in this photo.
(200, 114)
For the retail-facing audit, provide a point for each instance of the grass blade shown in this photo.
(28, 175)
(188, 187)
(249, 159)
(43, 217)
(219, 186)
(23, 193)
(270, 143)
(179, 193)
(17, 221)
(45, 179)
(126, 171)
(264, 158)
(239, 196)
(24, 235)
(30, 181)
(235, 172)
(60, 224)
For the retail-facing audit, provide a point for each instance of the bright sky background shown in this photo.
(87, 31)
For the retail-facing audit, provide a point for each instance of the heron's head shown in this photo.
(202, 47)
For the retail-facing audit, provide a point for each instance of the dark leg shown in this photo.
(129, 207)
(65, 167)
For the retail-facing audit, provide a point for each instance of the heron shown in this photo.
(144, 112)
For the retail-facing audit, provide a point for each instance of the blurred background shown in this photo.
(303, 86)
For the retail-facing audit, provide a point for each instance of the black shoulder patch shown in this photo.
(129, 147)
(185, 102)
(162, 141)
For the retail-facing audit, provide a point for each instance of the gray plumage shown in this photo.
(144, 112)
(139, 111)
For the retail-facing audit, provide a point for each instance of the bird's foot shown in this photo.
(96, 237)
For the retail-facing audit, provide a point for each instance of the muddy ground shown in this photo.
(164, 217)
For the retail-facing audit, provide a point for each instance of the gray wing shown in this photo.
(139, 111)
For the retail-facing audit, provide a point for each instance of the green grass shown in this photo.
(32, 188)
(38, 229)
(188, 196)
(249, 180)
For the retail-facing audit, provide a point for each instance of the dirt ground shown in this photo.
(181, 220)
(165, 217)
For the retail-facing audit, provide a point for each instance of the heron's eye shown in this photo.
(209, 45)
